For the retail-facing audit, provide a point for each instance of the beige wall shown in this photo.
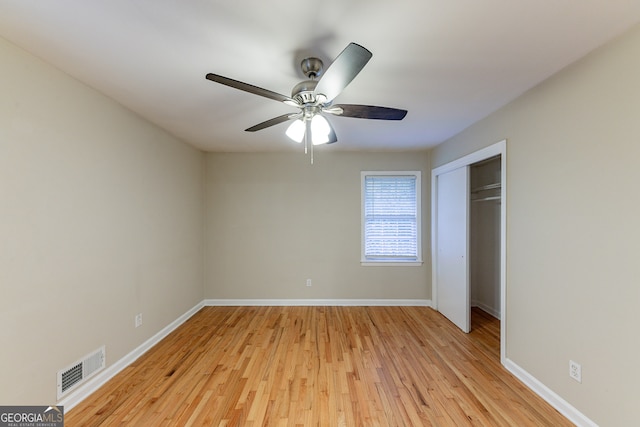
(573, 286)
(101, 217)
(274, 221)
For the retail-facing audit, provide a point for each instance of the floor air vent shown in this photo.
(78, 372)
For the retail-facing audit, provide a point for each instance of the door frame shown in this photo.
(499, 148)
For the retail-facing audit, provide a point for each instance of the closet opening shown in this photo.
(484, 249)
(468, 243)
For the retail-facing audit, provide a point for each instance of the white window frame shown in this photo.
(364, 261)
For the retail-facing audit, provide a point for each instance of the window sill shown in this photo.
(391, 263)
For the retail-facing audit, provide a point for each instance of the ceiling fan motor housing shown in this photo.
(303, 92)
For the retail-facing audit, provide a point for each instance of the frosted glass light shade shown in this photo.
(296, 130)
(320, 129)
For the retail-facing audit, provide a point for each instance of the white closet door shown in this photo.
(452, 240)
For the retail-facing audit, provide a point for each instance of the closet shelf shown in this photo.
(497, 185)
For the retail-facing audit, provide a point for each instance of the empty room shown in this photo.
(350, 213)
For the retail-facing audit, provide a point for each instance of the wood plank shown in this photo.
(334, 366)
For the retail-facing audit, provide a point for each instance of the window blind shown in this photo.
(390, 218)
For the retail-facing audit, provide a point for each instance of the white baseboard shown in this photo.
(101, 378)
(319, 302)
(575, 416)
(484, 307)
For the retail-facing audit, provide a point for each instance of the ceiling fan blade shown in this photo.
(366, 112)
(342, 71)
(251, 89)
(271, 122)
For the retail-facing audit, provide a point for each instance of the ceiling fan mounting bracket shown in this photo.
(312, 67)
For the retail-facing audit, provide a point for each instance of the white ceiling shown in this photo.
(449, 62)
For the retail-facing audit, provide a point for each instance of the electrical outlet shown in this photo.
(138, 320)
(308, 282)
(575, 371)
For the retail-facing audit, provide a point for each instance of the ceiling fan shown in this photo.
(314, 97)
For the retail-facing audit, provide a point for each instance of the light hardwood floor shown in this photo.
(319, 366)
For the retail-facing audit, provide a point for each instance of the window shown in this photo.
(391, 218)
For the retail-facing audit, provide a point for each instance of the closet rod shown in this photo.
(485, 199)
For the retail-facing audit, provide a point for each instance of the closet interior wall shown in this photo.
(484, 245)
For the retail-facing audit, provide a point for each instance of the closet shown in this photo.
(484, 235)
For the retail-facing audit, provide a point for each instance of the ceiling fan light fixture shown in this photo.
(296, 130)
(320, 130)
(319, 139)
